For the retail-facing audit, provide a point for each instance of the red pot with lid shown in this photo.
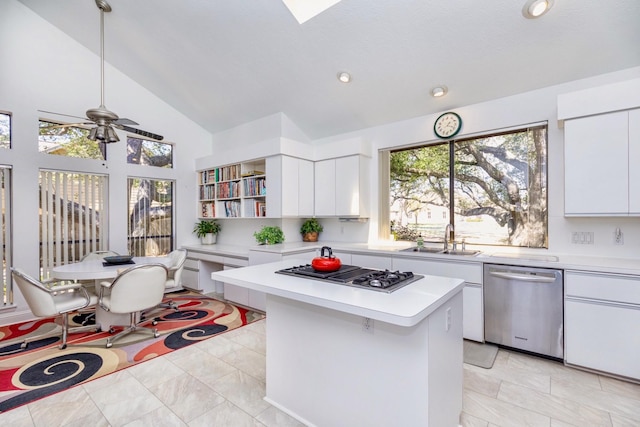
(327, 261)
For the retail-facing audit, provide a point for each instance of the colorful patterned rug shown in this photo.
(43, 369)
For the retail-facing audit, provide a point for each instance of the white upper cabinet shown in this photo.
(595, 165)
(341, 187)
(634, 162)
(292, 186)
(325, 188)
(602, 149)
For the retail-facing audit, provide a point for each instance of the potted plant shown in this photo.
(206, 230)
(310, 229)
(269, 235)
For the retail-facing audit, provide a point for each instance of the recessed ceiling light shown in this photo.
(536, 8)
(439, 91)
(344, 77)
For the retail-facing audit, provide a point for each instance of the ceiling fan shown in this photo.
(105, 120)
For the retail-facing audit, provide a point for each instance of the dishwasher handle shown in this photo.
(522, 277)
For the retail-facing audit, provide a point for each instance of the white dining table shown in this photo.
(96, 270)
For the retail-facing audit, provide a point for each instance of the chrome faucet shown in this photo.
(447, 235)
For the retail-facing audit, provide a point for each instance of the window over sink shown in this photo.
(491, 188)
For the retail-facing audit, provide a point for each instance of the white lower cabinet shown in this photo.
(243, 296)
(472, 312)
(196, 274)
(602, 322)
(604, 337)
(472, 294)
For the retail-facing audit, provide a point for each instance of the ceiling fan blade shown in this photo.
(61, 114)
(125, 121)
(141, 132)
(67, 125)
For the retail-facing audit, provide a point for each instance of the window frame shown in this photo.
(172, 237)
(385, 181)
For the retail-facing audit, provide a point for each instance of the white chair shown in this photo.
(135, 289)
(178, 258)
(94, 286)
(54, 300)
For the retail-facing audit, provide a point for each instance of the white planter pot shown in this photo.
(209, 239)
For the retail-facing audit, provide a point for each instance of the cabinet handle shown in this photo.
(523, 277)
(605, 303)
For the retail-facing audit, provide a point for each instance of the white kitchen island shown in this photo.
(325, 367)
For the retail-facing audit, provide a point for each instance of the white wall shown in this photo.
(43, 69)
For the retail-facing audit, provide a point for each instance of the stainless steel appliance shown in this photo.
(359, 277)
(523, 308)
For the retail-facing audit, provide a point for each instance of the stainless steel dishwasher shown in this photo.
(523, 308)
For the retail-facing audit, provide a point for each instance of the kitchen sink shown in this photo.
(460, 252)
(423, 250)
(427, 250)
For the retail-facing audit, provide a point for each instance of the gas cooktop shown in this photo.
(359, 277)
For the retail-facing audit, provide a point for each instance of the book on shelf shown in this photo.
(208, 210)
(207, 192)
(227, 173)
(232, 209)
(228, 190)
(255, 187)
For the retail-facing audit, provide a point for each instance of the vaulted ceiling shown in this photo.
(227, 62)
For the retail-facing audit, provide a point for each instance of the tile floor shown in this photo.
(220, 382)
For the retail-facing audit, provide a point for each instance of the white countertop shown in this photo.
(406, 306)
(531, 258)
(222, 250)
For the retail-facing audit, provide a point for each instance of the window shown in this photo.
(72, 217)
(494, 189)
(5, 235)
(150, 225)
(5, 130)
(152, 153)
(68, 140)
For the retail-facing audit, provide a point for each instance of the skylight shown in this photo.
(303, 10)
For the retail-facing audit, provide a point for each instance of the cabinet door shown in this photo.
(600, 336)
(348, 186)
(473, 314)
(289, 186)
(235, 293)
(257, 300)
(305, 187)
(190, 278)
(596, 165)
(634, 162)
(325, 188)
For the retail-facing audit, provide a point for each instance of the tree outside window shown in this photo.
(5, 130)
(494, 188)
(68, 140)
(150, 153)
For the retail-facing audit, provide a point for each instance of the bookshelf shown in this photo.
(233, 191)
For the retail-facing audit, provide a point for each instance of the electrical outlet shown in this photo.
(367, 325)
(447, 323)
(582, 237)
(618, 237)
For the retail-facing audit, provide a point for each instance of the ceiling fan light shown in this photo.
(536, 8)
(100, 133)
(92, 134)
(112, 136)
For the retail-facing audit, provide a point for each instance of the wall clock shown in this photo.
(447, 125)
